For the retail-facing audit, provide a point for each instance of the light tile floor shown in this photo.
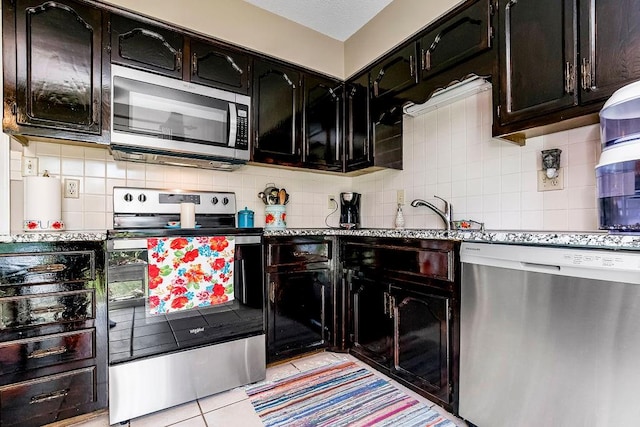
(233, 408)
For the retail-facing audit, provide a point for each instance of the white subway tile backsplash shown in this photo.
(95, 168)
(51, 164)
(72, 166)
(74, 151)
(490, 180)
(96, 186)
(98, 153)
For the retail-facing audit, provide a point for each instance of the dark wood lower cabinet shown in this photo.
(300, 289)
(395, 307)
(53, 327)
(297, 311)
(421, 339)
(371, 336)
(403, 310)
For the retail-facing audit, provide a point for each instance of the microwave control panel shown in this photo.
(242, 138)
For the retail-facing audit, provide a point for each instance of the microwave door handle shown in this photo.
(233, 124)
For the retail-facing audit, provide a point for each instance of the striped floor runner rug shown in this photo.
(340, 394)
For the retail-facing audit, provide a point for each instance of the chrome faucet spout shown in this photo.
(445, 214)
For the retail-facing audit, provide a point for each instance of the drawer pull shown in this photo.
(52, 309)
(38, 354)
(49, 268)
(301, 253)
(45, 397)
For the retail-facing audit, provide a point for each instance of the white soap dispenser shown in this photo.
(399, 217)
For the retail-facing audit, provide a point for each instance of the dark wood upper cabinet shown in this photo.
(277, 114)
(48, 90)
(609, 46)
(221, 68)
(465, 34)
(537, 57)
(397, 72)
(149, 47)
(323, 110)
(357, 124)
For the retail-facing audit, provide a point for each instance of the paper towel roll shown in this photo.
(187, 215)
(42, 203)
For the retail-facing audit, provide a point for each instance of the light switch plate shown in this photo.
(29, 166)
(550, 184)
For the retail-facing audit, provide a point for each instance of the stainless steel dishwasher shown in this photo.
(549, 336)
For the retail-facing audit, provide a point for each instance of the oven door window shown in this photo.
(127, 273)
(146, 109)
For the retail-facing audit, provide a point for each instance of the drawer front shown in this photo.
(37, 310)
(303, 252)
(44, 398)
(412, 261)
(24, 355)
(46, 267)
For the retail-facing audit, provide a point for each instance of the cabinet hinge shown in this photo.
(450, 312)
(450, 389)
(498, 110)
(492, 32)
(14, 109)
(352, 338)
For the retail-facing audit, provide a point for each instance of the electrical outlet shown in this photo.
(71, 188)
(400, 197)
(331, 202)
(549, 184)
(29, 166)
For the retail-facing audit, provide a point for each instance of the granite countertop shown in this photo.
(54, 236)
(602, 240)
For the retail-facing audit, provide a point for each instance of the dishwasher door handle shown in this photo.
(540, 267)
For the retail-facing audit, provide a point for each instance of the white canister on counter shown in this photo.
(187, 215)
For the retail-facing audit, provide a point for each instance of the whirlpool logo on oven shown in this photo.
(196, 331)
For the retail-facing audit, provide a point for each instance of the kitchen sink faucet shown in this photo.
(445, 215)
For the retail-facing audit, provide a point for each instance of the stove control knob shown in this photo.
(128, 197)
(225, 201)
(142, 198)
(214, 201)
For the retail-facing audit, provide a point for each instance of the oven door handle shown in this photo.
(118, 244)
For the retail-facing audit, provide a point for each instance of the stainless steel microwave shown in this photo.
(156, 119)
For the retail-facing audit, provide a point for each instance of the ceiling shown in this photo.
(338, 19)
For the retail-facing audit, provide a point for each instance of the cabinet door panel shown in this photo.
(213, 66)
(396, 73)
(371, 320)
(322, 121)
(538, 59)
(59, 65)
(421, 341)
(609, 46)
(146, 46)
(358, 132)
(276, 114)
(297, 306)
(464, 35)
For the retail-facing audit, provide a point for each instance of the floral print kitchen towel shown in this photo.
(189, 272)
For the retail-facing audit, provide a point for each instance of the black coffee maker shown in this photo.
(349, 210)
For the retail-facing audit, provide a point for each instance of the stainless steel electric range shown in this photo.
(177, 348)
